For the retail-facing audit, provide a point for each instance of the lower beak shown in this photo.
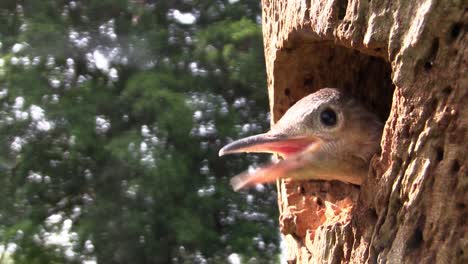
(267, 143)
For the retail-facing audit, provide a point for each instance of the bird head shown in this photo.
(329, 117)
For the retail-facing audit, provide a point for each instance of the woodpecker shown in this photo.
(327, 135)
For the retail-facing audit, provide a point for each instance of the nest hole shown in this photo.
(307, 67)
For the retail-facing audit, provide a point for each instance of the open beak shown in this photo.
(268, 143)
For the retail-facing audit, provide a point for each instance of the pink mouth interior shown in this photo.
(290, 146)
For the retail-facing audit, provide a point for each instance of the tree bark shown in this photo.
(407, 60)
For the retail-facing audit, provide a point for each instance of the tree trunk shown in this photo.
(407, 60)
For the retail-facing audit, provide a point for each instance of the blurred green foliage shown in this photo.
(112, 113)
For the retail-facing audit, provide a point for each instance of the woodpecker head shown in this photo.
(329, 118)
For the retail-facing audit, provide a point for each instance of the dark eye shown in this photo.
(328, 117)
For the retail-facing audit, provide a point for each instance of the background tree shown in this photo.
(111, 118)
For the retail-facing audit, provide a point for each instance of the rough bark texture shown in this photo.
(408, 61)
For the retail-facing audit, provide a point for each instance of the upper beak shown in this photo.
(269, 143)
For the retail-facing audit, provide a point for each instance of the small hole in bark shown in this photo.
(447, 90)
(342, 6)
(455, 31)
(428, 65)
(415, 240)
(460, 206)
(455, 167)
(439, 153)
(287, 92)
(319, 202)
(300, 189)
(378, 49)
(432, 55)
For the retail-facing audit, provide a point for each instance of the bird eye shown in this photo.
(328, 117)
